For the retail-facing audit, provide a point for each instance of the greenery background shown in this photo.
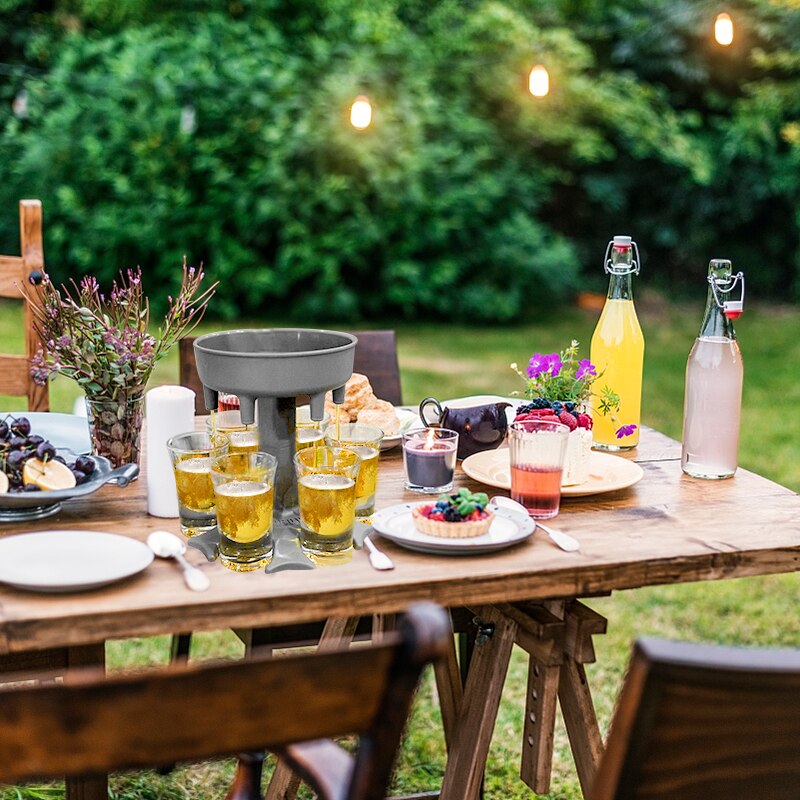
(220, 130)
(467, 200)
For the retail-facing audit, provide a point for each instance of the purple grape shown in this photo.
(17, 442)
(16, 458)
(85, 464)
(80, 477)
(31, 487)
(35, 439)
(4, 429)
(21, 426)
(45, 451)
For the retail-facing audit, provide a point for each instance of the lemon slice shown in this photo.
(3, 482)
(47, 475)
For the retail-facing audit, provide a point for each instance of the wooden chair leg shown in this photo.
(179, 647)
(247, 782)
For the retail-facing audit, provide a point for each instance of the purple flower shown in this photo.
(585, 370)
(538, 365)
(625, 430)
(554, 364)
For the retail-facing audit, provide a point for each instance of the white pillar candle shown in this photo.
(169, 410)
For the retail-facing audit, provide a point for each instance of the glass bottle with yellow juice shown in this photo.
(617, 351)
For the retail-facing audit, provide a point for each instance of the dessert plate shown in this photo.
(408, 419)
(396, 524)
(607, 473)
(70, 561)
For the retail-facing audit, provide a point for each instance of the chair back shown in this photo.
(16, 272)
(706, 722)
(375, 357)
(92, 724)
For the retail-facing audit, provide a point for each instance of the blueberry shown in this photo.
(570, 407)
(557, 407)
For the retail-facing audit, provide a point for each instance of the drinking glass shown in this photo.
(365, 441)
(429, 457)
(537, 452)
(244, 496)
(326, 490)
(228, 424)
(191, 455)
(309, 432)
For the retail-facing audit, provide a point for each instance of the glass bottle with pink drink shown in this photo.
(714, 375)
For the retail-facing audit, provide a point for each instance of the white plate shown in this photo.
(396, 523)
(64, 431)
(408, 419)
(607, 473)
(70, 561)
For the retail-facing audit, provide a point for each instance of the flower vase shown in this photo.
(115, 428)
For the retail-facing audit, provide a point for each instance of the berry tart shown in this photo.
(454, 516)
(579, 443)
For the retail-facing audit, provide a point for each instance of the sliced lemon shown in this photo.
(47, 475)
(3, 482)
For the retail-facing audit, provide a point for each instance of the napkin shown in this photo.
(169, 411)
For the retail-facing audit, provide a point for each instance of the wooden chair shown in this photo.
(375, 357)
(16, 272)
(699, 721)
(92, 724)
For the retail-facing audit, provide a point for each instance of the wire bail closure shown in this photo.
(611, 269)
(730, 308)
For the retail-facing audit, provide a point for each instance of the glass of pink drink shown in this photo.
(537, 459)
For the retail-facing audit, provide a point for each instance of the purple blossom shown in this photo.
(538, 365)
(554, 364)
(585, 370)
(625, 430)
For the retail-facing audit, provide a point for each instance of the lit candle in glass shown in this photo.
(429, 456)
(723, 29)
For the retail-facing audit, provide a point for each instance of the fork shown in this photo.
(377, 558)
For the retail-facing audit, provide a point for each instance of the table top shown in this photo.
(668, 528)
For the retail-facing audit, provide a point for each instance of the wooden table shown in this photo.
(667, 529)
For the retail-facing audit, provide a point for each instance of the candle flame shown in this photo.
(429, 440)
(361, 113)
(723, 29)
(539, 81)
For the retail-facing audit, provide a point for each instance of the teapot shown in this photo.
(479, 428)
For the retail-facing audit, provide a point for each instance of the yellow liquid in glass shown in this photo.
(308, 437)
(243, 441)
(367, 473)
(193, 481)
(618, 353)
(327, 503)
(244, 510)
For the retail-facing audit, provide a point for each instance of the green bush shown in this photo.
(164, 129)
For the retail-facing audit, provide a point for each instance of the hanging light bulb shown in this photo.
(539, 81)
(723, 29)
(361, 112)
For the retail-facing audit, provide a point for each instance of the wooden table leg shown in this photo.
(487, 674)
(539, 725)
(450, 691)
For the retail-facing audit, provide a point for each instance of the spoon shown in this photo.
(166, 545)
(559, 538)
(377, 558)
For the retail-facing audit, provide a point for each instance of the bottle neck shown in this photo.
(715, 323)
(620, 287)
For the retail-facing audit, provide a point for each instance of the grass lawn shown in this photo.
(458, 360)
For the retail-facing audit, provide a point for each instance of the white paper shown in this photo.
(169, 410)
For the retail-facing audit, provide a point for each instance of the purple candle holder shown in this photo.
(429, 456)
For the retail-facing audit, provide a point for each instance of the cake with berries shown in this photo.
(454, 516)
(579, 443)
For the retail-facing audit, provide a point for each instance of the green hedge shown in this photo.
(156, 130)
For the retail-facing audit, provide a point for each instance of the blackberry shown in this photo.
(541, 402)
(452, 515)
(525, 408)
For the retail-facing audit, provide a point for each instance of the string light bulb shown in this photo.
(723, 29)
(539, 81)
(361, 113)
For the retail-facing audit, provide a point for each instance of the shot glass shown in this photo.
(429, 457)
(326, 490)
(537, 460)
(244, 496)
(191, 455)
(228, 425)
(365, 441)
(309, 432)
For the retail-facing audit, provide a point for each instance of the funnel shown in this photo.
(267, 369)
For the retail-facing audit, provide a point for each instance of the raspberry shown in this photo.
(550, 418)
(437, 515)
(585, 421)
(426, 511)
(568, 419)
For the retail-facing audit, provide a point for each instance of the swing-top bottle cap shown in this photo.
(720, 263)
(622, 241)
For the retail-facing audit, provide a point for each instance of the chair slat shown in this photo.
(12, 275)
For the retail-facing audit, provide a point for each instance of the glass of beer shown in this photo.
(228, 424)
(326, 489)
(191, 455)
(365, 441)
(244, 496)
(309, 432)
